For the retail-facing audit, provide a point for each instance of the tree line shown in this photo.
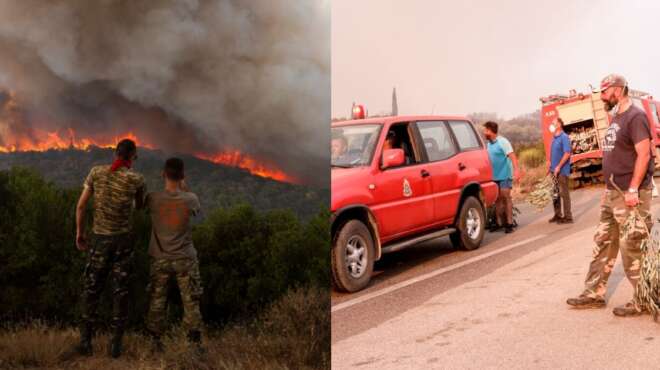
(248, 258)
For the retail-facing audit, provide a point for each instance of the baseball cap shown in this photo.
(612, 80)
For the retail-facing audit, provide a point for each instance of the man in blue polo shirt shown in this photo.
(505, 169)
(560, 168)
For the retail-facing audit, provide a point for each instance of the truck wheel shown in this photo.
(470, 225)
(352, 257)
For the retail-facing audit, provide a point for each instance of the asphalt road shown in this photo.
(501, 306)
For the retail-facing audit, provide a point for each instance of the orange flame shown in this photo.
(235, 158)
(43, 140)
(40, 141)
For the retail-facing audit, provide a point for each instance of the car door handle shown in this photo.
(425, 173)
(461, 166)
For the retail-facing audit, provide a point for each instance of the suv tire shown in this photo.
(352, 257)
(470, 225)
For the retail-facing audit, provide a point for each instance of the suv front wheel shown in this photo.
(352, 257)
(470, 225)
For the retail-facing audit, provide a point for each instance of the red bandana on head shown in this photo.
(118, 163)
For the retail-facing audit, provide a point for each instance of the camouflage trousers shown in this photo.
(109, 255)
(186, 273)
(608, 242)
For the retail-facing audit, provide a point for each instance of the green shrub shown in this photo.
(532, 157)
(248, 259)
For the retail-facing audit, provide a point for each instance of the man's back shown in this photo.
(114, 193)
(171, 220)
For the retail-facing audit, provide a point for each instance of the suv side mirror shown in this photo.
(392, 158)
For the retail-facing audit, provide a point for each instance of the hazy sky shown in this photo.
(459, 57)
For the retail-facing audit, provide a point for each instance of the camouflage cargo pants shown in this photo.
(186, 272)
(109, 255)
(613, 213)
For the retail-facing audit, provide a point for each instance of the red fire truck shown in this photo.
(586, 122)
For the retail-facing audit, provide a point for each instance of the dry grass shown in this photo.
(294, 333)
(529, 178)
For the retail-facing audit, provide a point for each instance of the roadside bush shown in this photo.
(532, 157)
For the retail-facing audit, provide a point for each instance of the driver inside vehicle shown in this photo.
(338, 147)
(392, 141)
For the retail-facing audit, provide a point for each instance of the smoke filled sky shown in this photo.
(183, 75)
(460, 57)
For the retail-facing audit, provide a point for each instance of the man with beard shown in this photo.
(627, 160)
(504, 163)
(114, 188)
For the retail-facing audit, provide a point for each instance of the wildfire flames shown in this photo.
(237, 159)
(42, 140)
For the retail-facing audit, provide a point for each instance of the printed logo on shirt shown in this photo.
(610, 137)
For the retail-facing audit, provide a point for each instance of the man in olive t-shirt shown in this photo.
(114, 189)
(173, 254)
(628, 166)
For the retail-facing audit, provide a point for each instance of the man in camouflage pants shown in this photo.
(115, 188)
(627, 165)
(173, 254)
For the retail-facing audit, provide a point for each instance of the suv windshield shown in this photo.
(353, 146)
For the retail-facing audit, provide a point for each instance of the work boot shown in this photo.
(84, 348)
(565, 220)
(115, 346)
(508, 229)
(195, 339)
(495, 228)
(584, 301)
(554, 218)
(628, 309)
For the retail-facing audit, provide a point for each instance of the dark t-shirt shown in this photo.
(171, 223)
(619, 155)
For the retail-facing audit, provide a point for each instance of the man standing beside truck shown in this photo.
(505, 169)
(628, 161)
(560, 168)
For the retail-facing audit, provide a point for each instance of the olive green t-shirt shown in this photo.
(114, 194)
(171, 224)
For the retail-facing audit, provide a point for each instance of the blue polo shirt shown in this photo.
(560, 144)
(498, 152)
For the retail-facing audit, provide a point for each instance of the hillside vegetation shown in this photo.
(249, 260)
(216, 185)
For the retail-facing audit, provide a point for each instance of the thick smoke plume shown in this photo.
(187, 75)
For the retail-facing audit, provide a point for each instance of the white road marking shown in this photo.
(405, 283)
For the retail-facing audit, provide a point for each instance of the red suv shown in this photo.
(398, 181)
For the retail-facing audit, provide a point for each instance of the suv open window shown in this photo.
(437, 140)
(401, 138)
(465, 136)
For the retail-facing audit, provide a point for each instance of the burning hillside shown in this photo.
(40, 141)
(244, 84)
(217, 185)
(17, 135)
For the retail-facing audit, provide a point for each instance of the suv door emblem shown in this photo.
(407, 191)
